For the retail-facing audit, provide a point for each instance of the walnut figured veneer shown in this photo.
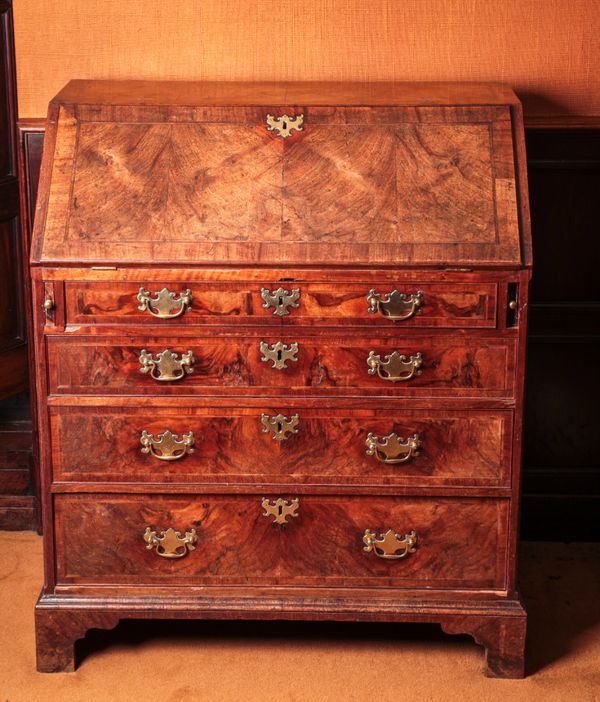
(280, 359)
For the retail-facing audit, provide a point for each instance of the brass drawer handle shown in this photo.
(396, 306)
(167, 446)
(166, 366)
(280, 300)
(396, 367)
(390, 545)
(280, 426)
(169, 543)
(165, 304)
(280, 509)
(279, 354)
(393, 448)
(283, 125)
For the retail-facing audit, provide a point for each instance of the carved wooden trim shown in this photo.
(502, 638)
(57, 630)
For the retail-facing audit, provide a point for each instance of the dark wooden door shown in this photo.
(13, 349)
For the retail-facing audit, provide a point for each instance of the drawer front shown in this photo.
(334, 365)
(324, 446)
(165, 304)
(460, 543)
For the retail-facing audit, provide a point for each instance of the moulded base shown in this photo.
(497, 625)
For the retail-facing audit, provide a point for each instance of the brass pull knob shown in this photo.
(48, 304)
(166, 366)
(283, 125)
(393, 448)
(390, 545)
(169, 543)
(396, 306)
(279, 354)
(396, 367)
(165, 304)
(280, 426)
(167, 446)
(280, 300)
(280, 509)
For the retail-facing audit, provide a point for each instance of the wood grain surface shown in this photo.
(211, 184)
(334, 365)
(458, 448)
(453, 304)
(460, 541)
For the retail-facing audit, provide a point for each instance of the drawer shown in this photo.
(402, 303)
(460, 543)
(480, 366)
(246, 445)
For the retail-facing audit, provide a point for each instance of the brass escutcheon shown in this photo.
(393, 448)
(283, 125)
(389, 544)
(396, 367)
(395, 305)
(279, 354)
(164, 304)
(280, 426)
(167, 446)
(166, 365)
(169, 543)
(280, 299)
(280, 509)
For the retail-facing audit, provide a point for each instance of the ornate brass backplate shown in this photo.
(396, 367)
(280, 426)
(279, 354)
(167, 446)
(169, 543)
(280, 509)
(390, 545)
(280, 300)
(166, 365)
(393, 448)
(395, 305)
(165, 304)
(283, 125)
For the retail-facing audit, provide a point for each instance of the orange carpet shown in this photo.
(312, 662)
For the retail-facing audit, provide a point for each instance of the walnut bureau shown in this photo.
(280, 338)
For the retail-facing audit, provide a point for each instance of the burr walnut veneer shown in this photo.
(280, 342)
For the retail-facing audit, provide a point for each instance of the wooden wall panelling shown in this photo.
(562, 470)
(17, 503)
(30, 142)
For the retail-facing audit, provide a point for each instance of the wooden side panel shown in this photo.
(452, 367)
(460, 542)
(458, 448)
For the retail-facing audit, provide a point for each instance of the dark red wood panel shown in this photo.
(460, 542)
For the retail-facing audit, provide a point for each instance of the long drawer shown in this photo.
(404, 303)
(281, 444)
(237, 540)
(419, 364)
